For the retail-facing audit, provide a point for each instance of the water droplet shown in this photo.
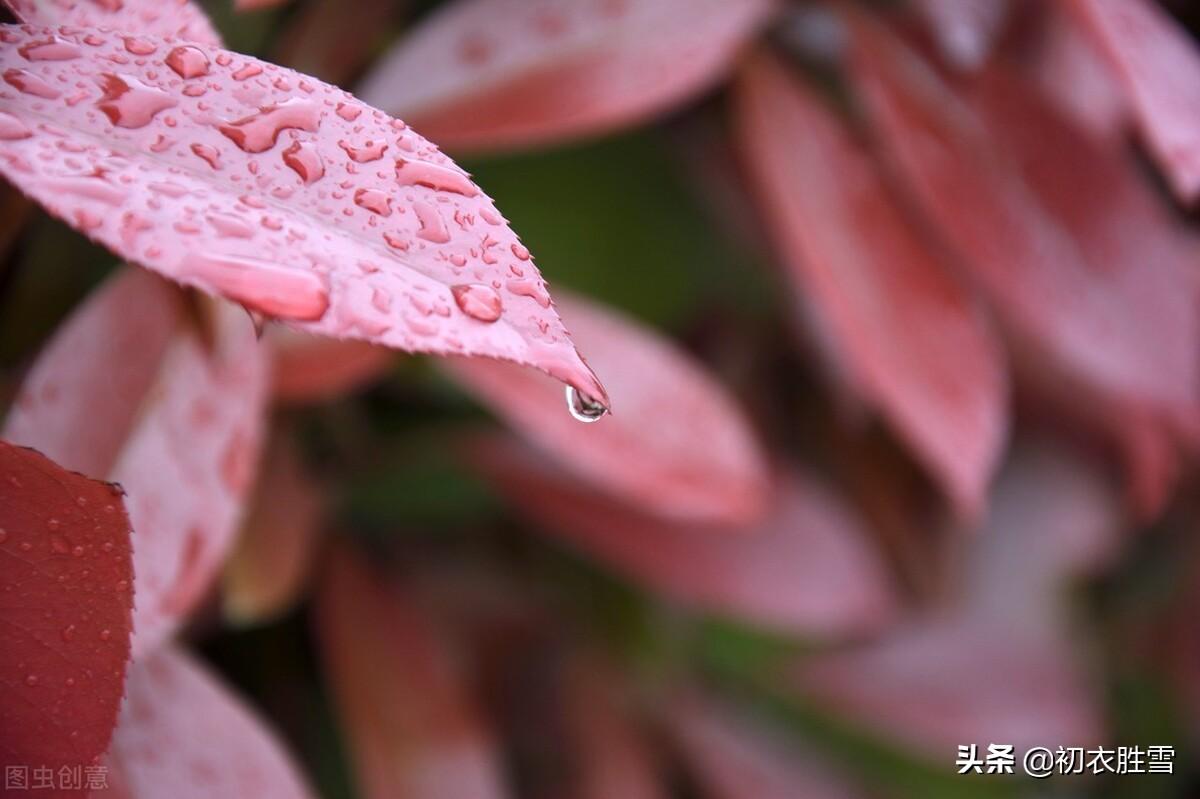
(433, 176)
(230, 226)
(584, 408)
(25, 81)
(260, 285)
(303, 159)
(31, 680)
(478, 301)
(139, 46)
(520, 251)
(59, 544)
(208, 154)
(371, 151)
(258, 132)
(188, 61)
(129, 103)
(52, 49)
(3, 535)
(105, 634)
(374, 201)
(530, 287)
(348, 112)
(249, 71)
(68, 632)
(12, 128)
(433, 227)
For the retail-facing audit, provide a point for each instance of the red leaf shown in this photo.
(964, 29)
(909, 335)
(735, 758)
(308, 368)
(999, 662)
(185, 735)
(1086, 273)
(64, 613)
(493, 74)
(261, 185)
(182, 19)
(133, 389)
(1160, 66)
(679, 446)
(403, 708)
(808, 569)
(269, 568)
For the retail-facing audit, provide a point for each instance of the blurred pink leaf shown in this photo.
(183, 734)
(965, 30)
(400, 698)
(1069, 67)
(733, 758)
(308, 368)
(135, 389)
(610, 756)
(999, 662)
(808, 569)
(500, 74)
(64, 613)
(275, 191)
(270, 565)
(678, 446)
(182, 19)
(1160, 66)
(1087, 275)
(911, 338)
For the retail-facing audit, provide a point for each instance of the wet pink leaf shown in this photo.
(808, 569)
(182, 19)
(909, 336)
(1160, 66)
(185, 735)
(499, 74)
(733, 757)
(258, 184)
(679, 446)
(401, 701)
(308, 368)
(965, 30)
(270, 565)
(999, 662)
(1086, 273)
(64, 613)
(135, 389)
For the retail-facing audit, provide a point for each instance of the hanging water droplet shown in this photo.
(584, 408)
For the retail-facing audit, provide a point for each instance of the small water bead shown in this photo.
(208, 154)
(26, 82)
(52, 49)
(249, 71)
(583, 408)
(303, 159)
(12, 129)
(188, 61)
(31, 680)
(364, 154)
(434, 176)
(478, 301)
(374, 201)
(139, 46)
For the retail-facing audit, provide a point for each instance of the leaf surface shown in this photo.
(183, 734)
(65, 613)
(1160, 67)
(255, 183)
(679, 446)
(910, 336)
(503, 74)
(807, 569)
(400, 698)
(136, 389)
(182, 19)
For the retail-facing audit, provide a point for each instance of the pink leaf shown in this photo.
(64, 613)
(134, 389)
(733, 757)
(498, 74)
(269, 568)
(965, 30)
(185, 735)
(256, 183)
(402, 705)
(679, 446)
(999, 663)
(182, 19)
(1160, 66)
(808, 569)
(308, 368)
(910, 336)
(1087, 274)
